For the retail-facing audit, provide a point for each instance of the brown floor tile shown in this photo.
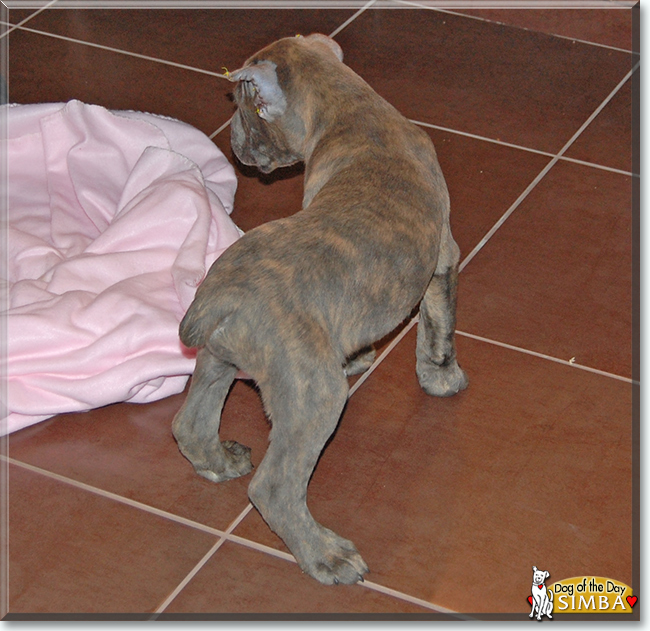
(253, 582)
(129, 449)
(608, 139)
(206, 39)
(112, 80)
(484, 179)
(610, 27)
(72, 551)
(481, 77)
(529, 466)
(556, 277)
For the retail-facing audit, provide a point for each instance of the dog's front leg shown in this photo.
(196, 426)
(304, 398)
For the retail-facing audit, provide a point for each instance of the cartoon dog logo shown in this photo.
(542, 599)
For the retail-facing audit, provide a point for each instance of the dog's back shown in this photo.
(357, 259)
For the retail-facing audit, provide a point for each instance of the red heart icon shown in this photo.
(540, 587)
(631, 600)
(530, 600)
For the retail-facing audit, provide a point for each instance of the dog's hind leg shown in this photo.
(196, 426)
(438, 371)
(304, 404)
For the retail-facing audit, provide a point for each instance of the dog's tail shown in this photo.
(209, 312)
(193, 329)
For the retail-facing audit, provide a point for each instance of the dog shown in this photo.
(542, 598)
(297, 303)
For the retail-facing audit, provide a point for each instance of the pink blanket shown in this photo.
(113, 220)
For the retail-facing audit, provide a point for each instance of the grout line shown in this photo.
(260, 547)
(335, 32)
(414, 3)
(545, 170)
(27, 19)
(565, 362)
(521, 147)
(193, 572)
(483, 138)
(222, 76)
(113, 496)
(486, 340)
(602, 167)
(208, 555)
(384, 354)
(507, 214)
(216, 133)
(118, 50)
(413, 600)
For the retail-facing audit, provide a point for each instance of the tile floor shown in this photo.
(450, 501)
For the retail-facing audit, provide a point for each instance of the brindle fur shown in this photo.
(296, 303)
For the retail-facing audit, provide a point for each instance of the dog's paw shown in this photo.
(441, 382)
(360, 363)
(333, 560)
(236, 461)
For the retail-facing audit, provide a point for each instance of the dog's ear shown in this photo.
(268, 96)
(547, 574)
(534, 569)
(329, 42)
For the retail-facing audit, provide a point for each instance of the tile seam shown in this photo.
(223, 536)
(557, 360)
(262, 548)
(414, 3)
(27, 19)
(188, 578)
(511, 145)
(220, 129)
(119, 51)
(540, 176)
(486, 340)
(222, 76)
(114, 496)
(197, 568)
(351, 19)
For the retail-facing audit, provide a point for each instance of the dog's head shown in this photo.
(539, 576)
(273, 94)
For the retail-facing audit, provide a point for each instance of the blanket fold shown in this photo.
(113, 220)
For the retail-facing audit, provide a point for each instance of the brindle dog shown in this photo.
(297, 303)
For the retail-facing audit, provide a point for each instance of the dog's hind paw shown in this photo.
(360, 363)
(235, 463)
(441, 381)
